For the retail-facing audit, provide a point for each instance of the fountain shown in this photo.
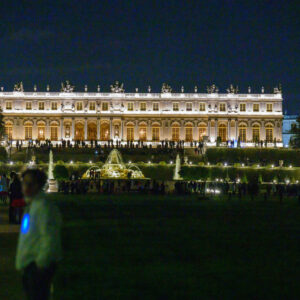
(115, 168)
(51, 181)
(177, 169)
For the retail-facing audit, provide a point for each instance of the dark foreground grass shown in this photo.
(151, 247)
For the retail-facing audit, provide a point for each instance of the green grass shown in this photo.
(162, 247)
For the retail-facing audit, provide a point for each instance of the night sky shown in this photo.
(145, 43)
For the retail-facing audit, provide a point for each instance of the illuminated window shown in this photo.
(255, 133)
(92, 106)
(188, 134)
(8, 130)
(130, 106)
(202, 107)
(79, 106)
(155, 134)
(175, 106)
(243, 133)
(155, 106)
(255, 107)
(242, 107)
(53, 105)
(67, 130)
(104, 132)
(143, 106)
(8, 105)
(222, 107)
(202, 131)
(53, 133)
(222, 132)
(130, 133)
(41, 105)
(105, 106)
(269, 107)
(41, 132)
(189, 106)
(143, 133)
(28, 131)
(269, 133)
(28, 105)
(175, 133)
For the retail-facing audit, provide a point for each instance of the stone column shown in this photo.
(111, 128)
(136, 131)
(262, 131)
(181, 131)
(61, 128)
(195, 138)
(229, 129)
(98, 129)
(216, 129)
(208, 129)
(149, 131)
(73, 129)
(34, 130)
(85, 129)
(122, 130)
(236, 130)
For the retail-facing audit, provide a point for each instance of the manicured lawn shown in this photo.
(156, 247)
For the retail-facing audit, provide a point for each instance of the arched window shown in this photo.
(130, 132)
(243, 133)
(255, 133)
(222, 132)
(8, 130)
(28, 130)
(175, 132)
(79, 132)
(189, 133)
(143, 132)
(104, 132)
(41, 130)
(92, 131)
(54, 131)
(269, 133)
(155, 133)
(202, 131)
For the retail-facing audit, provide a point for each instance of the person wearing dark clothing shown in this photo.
(15, 198)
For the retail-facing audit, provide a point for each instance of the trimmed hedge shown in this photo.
(3, 154)
(249, 174)
(253, 155)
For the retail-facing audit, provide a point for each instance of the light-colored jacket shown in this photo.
(39, 238)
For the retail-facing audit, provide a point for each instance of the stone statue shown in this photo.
(35, 88)
(232, 89)
(196, 89)
(277, 90)
(117, 87)
(18, 87)
(212, 89)
(166, 88)
(182, 89)
(262, 89)
(149, 89)
(48, 88)
(249, 89)
(67, 87)
(98, 88)
(85, 88)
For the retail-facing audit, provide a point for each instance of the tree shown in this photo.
(295, 131)
(2, 126)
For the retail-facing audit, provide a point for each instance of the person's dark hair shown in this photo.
(39, 175)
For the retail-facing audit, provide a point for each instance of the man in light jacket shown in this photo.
(39, 245)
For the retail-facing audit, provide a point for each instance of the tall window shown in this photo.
(222, 107)
(143, 106)
(130, 133)
(155, 134)
(143, 133)
(202, 107)
(255, 107)
(8, 130)
(41, 132)
(269, 107)
(68, 130)
(105, 106)
(242, 107)
(28, 105)
(202, 131)
(79, 106)
(28, 131)
(243, 133)
(8, 105)
(92, 106)
(189, 106)
(104, 132)
(189, 134)
(53, 105)
(155, 106)
(53, 133)
(222, 132)
(175, 106)
(255, 133)
(175, 133)
(269, 133)
(41, 105)
(130, 106)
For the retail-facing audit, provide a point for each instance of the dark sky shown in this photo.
(150, 42)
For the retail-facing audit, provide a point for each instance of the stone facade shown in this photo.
(151, 117)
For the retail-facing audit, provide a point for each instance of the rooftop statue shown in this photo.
(117, 87)
(278, 90)
(67, 87)
(18, 87)
(212, 89)
(166, 88)
(232, 89)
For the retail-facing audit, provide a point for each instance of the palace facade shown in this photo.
(149, 117)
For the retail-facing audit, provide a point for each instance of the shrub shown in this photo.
(3, 154)
(60, 172)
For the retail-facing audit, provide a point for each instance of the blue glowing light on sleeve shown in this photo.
(25, 223)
